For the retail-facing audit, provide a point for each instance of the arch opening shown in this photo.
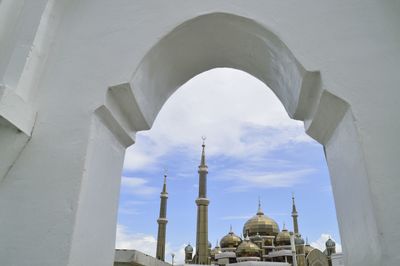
(172, 128)
(223, 40)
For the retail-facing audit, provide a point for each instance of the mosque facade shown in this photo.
(261, 239)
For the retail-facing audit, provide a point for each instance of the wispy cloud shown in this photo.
(327, 189)
(236, 217)
(131, 207)
(246, 127)
(198, 108)
(138, 186)
(142, 242)
(244, 180)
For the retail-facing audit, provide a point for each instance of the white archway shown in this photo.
(91, 80)
(226, 40)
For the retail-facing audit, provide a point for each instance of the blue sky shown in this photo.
(253, 150)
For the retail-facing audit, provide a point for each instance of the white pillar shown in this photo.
(59, 201)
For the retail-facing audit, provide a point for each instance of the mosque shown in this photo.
(263, 243)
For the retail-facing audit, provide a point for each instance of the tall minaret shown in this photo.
(202, 213)
(162, 222)
(295, 215)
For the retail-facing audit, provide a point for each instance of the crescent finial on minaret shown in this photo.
(203, 154)
(204, 140)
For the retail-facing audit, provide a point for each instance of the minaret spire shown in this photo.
(202, 212)
(203, 154)
(259, 211)
(162, 222)
(164, 190)
(294, 216)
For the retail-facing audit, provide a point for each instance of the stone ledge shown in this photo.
(17, 119)
(16, 111)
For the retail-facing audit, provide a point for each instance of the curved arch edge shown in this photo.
(121, 114)
(326, 115)
(217, 40)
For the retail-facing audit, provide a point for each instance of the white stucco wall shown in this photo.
(332, 64)
(337, 259)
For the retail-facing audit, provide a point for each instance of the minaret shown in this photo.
(202, 213)
(162, 222)
(295, 215)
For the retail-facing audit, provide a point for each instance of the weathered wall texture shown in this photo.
(78, 79)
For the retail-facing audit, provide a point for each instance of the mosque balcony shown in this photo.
(242, 259)
(226, 254)
(283, 247)
(228, 249)
(279, 253)
(162, 220)
(202, 169)
(202, 201)
(268, 247)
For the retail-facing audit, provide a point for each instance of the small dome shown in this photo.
(188, 249)
(283, 238)
(230, 240)
(330, 243)
(247, 249)
(260, 224)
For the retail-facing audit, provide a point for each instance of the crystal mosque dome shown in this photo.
(260, 224)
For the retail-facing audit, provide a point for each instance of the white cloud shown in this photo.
(136, 157)
(127, 240)
(146, 244)
(236, 217)
(138, 186)
(245, 180)
(230, 107)
(320, 243)
(179, 254)
(131, 207)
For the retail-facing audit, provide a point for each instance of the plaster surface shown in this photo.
(89, 74)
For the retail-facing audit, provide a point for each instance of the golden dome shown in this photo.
(260, 224)
(247, 249)
(230, 240)
(283, 238)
